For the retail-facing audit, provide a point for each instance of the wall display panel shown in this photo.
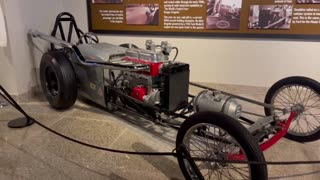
(299, 19)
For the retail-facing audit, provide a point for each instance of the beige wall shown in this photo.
(7, 71)
(229, 61)
(19, 61)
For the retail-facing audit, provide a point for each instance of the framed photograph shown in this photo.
(308, 1)
(296, 19)
(223, 14)
(142, 14)
(270, 17)
(107, 1)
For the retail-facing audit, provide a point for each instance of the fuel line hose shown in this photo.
(10, 100)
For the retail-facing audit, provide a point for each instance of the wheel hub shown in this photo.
(52, 82)
(218, 156)
(298, 109)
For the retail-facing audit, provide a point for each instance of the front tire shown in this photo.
(58, 80)
(302, 91)
(217, 136)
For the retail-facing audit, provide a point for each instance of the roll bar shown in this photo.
(51, 39)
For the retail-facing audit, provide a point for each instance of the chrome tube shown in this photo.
(51, 39)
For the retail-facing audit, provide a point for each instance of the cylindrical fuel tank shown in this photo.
(217, 102)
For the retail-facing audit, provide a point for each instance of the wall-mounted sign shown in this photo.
(227, 18)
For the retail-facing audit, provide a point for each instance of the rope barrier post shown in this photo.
(20, 122)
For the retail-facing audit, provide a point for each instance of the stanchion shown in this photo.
(20, 122)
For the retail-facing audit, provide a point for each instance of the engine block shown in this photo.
(166, 85)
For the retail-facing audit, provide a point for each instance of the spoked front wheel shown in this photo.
(297, 91)
(217, 136)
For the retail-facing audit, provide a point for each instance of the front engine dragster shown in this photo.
(148, 83)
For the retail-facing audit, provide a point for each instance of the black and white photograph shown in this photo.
(107, 1)
(270, 17)
(142, 14)
(223, 14)
(308, 1)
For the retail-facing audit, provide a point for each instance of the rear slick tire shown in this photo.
(229, 132)
(58, 80)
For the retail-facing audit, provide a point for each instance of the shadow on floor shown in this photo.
(33, 155)
(132, 119)
(165, 165)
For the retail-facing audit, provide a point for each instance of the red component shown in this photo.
(264, 146)
(280, 134)
(154, 67)
(139, 92)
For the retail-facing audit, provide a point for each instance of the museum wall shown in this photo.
(7, 71)
(229, 61)
(19, 61)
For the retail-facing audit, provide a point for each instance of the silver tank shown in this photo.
(217, 102)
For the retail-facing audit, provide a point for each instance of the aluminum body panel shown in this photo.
(102, 52)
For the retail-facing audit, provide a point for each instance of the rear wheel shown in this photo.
(301, 91)
(58, 80)
(217, 136)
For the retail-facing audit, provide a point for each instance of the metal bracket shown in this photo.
(260, 123)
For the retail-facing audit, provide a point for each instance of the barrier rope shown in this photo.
(10, 100)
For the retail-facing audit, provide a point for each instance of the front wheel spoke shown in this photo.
(298, 98)
(299, 128)
(308, 122)
(293, 99)
(199, 147)
(223, 174)
(280, 105)
(206, 174)
(315, 117)
(283, 99)
(214, 172)
(315, 103)
(220, 173)
(301, 92)
(210, 173)
(203, 141)
(207, 138)
(295, 127)
(285, 96)
(304, 97)
(240, 173)
(311, 114)
(309, 129)
(282, 102)
(228, 172)
(311, 96)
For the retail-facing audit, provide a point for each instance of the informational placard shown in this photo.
(226, 18)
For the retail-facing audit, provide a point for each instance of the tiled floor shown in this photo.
(34, 153)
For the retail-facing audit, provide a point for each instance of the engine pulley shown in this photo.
(139, 92)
